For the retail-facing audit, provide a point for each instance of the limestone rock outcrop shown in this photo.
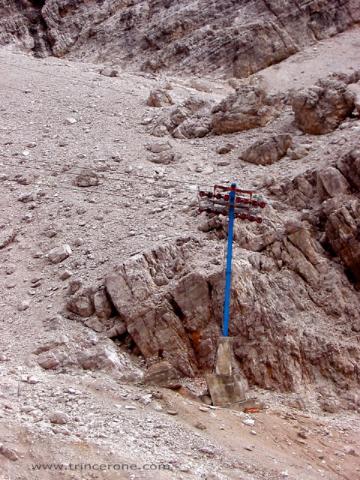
(189, 119)
(248, 107)
(311, 188)
(349, 166)
(162, 374)
(21, 24)
(343, 233)
(150, 292)
(328, 193)
(169, 300)
(321, 108)
(238, 38)
(355, 89)
(159, 98)
(268, 151)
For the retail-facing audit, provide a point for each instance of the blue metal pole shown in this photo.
(227, 297)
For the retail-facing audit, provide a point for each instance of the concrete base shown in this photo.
(225, 360)
(225, 391)
(225, 386)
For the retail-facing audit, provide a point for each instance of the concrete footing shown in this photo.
(227, 388)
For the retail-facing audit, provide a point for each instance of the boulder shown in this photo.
(70, 121)
(23, 305)
(194, 127)
(247, 108)
(268, 151)
(224, 149)
(161, 153)
(8, 453)
(104, 356)
(109, 72)
(7, 236)
(159, 98)
(321, 108)
(59, 418)
(190, 119)
(162, 374)
(158, 147)
(59, 254)
(82, 303)
(48, 361)
(100, 357)
(86, 178)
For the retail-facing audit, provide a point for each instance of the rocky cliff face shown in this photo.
(294, 281)
(231, 37)
(336, 214)
(287, 295)
(22, 24)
